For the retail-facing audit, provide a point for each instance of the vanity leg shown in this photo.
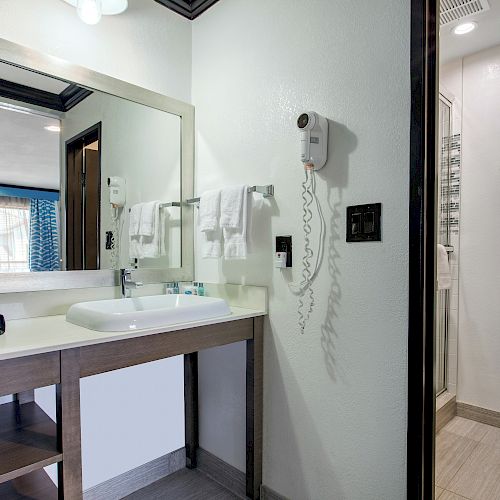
(254, 395)
(69, 471)
(191, 407)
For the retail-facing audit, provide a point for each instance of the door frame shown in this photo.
(421, 398)
(94, 129)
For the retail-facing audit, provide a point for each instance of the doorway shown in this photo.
(83, 200)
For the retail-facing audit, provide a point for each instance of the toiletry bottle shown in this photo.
(176, 288)
(201, 289)
(191, 289)
(169, 289)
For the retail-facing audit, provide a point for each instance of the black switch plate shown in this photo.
(110, 240)
(284, 244)
(363, 223)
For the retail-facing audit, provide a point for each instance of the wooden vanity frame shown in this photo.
(64, 368)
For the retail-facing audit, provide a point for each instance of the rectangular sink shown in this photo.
(138, 313)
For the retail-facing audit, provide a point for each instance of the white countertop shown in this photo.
(25, 337)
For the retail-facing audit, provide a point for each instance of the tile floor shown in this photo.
(468, 461)
(184, 485)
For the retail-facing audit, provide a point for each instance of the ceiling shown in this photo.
(29, 154)
(487, 34)
(188, 8)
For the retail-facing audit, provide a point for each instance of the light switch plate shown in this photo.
(364, 223)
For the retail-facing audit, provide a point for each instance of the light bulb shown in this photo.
(89, 11)
(464, 28)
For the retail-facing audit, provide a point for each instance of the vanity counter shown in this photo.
(48, 350)
(25, 337)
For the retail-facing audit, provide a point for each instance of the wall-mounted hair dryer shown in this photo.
(314, 154)
(313, 140)
(117, 191)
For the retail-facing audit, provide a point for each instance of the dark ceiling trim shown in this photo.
(73, 95)
(190, 9)
(200, 6)
(67, 99)
(30, 95)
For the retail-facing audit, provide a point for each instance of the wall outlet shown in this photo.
(284, 245)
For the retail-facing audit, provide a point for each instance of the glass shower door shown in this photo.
(443, 237)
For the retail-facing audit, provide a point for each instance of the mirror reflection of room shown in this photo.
(87, 180)
(29, 190)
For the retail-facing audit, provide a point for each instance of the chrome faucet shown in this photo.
(127, 284)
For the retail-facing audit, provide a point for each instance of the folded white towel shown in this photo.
(443, 269)
(232, 206)
(134, 219)
(211, 247)
(164, 227)
(148, 221)
(153, 246)
(235, 239)
(208, 214)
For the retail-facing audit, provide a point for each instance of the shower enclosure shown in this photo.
(445, 189)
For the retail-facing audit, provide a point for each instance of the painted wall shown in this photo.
(150, 47)
(335, 397)
(147, 45)
(479, 316)
(142, 145)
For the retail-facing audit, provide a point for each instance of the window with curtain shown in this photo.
(14, 234)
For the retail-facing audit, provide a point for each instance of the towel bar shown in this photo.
(167, 205)
(266, 191)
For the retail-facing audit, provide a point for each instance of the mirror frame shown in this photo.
(18, 55)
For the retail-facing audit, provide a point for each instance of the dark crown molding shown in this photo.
(188, 8)
(64, 101)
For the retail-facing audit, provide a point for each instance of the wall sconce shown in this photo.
(91, 11)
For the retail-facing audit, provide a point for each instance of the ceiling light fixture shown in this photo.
(91, 11)
(464, 28)
(53, 128)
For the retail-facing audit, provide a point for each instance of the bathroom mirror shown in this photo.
(93, 174)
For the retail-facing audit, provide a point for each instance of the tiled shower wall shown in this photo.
(451, 216)
(451, 89)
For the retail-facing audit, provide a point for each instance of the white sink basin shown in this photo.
(145, 312)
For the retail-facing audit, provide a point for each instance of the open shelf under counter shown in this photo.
(35, 485)
(28, 440)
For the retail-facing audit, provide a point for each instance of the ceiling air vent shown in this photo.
(454, 10)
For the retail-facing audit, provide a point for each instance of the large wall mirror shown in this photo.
(93, 174)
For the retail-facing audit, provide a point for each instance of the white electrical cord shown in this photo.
(304, 288)
(117, 225)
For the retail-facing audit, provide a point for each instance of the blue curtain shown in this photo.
(44, 237)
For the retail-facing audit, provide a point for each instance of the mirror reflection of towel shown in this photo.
(149, 239)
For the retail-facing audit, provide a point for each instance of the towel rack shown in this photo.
(266, 191)
(167, 205)
(170, 204)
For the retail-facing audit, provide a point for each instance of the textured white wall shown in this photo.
(479, 315)
(151, 47)
(335, 398)
(147, 45)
